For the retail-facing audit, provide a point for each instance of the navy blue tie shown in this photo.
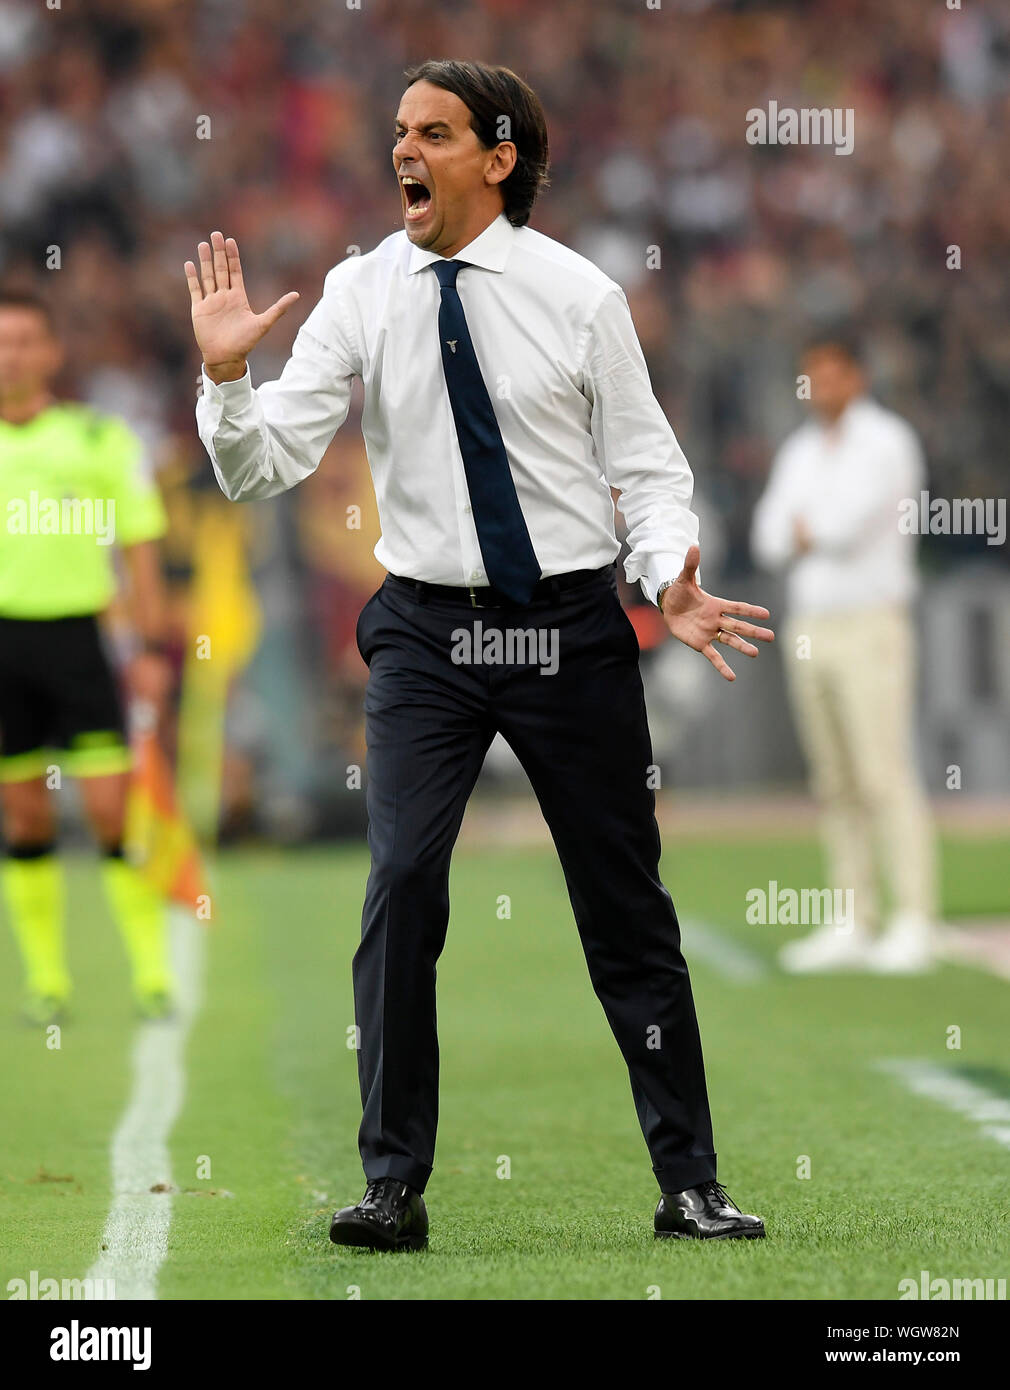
(505, 546)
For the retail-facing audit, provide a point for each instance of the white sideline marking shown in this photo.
(984, 944)
(135, 1238)
(988, 1110)
(728, 957)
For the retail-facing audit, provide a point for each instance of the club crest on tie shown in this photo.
(451, 343)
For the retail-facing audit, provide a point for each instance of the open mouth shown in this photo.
(418, 198)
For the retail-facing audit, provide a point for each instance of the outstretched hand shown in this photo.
(699, 620)
(225, 327)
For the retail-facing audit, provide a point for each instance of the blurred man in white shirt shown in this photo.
(829, 517)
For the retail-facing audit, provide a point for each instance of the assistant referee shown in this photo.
(72, 490)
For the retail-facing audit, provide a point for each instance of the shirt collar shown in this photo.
(489, 250)
(848, 417)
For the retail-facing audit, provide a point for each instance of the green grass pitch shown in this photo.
(530, 1072)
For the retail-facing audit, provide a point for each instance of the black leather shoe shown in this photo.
(390, 1216)
(705, 1212)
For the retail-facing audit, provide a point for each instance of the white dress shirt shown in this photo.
(846, 482)
(567, 380)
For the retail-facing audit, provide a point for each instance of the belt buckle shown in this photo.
(473, 597)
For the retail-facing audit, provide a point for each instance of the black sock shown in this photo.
(31, 849)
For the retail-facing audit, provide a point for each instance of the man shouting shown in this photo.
(505, 394)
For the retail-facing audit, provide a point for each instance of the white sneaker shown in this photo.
(827, 948)
(907, 947)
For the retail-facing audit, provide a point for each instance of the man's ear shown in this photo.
(503, 161)
(57, 356)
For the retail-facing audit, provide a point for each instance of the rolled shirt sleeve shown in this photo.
(637, 449)
(262, 441)
(773, 540)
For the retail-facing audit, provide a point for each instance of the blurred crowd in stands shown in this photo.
(731, 253)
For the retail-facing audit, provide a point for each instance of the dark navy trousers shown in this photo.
(582, 737)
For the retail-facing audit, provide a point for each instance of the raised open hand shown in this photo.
(699, 620)
(225, 327)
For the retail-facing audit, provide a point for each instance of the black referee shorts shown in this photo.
(59, 702)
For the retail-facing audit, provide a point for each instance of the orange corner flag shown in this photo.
(159, 840)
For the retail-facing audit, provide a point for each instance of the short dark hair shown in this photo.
(491, 93)
(839, 338)
(28, 299)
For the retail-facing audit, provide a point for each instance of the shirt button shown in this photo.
(468, 510)
(475, 575)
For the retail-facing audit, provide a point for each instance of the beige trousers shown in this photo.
(851, 679)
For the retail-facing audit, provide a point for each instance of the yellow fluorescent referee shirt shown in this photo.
(72, 489)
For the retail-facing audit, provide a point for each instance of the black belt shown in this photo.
(490, 597)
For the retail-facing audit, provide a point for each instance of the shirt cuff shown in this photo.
(661, 568)
(233, 396)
